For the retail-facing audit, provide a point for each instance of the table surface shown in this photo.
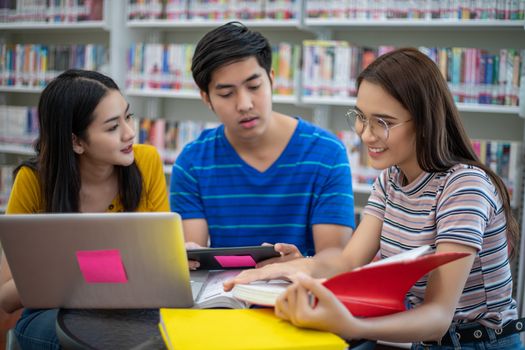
(121, 329)
(109, 329)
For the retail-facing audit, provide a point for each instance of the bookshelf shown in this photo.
(118, 32)
(462, 107)
(417, 24)
(78, 26)
(16, 149)
(190, 95)
(192, 24)
(194, 95)
(362, 188)
(21, 89)
(38, 36)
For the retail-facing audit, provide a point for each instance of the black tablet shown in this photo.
(231, 258)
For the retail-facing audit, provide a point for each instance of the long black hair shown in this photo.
(65, 109)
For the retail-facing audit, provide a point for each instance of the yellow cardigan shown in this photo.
(26, 196)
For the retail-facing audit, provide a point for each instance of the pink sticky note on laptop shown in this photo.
(102, 266)
(235, 260)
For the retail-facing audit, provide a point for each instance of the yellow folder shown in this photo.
(239, 329)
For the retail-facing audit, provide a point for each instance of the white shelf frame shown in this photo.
(208, 24)
(82, 25)
(435, 24)
(462, 107)
(16, 149)
(311, 101)
(287, 99)
(22, 89)
(195, 95)
(328, 100)
(184, 94)
(361, 188)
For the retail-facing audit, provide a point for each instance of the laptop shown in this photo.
(98, 260)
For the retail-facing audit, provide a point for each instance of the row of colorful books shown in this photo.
(285, 64)
(159, 66)
(479, 76)
(168, 67)
(330, 68)
(212, 9)
(37, 64)
(169, 136)
(51, 11)
(18, 125)
(502, 157)
(417, 9)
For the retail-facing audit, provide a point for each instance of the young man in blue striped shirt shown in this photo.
(261, 176)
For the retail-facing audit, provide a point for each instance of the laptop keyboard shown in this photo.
(197, 279)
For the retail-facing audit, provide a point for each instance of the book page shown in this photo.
(408, 255)
(260, 292)
(212, 293)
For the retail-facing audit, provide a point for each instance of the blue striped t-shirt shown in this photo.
(310, 183)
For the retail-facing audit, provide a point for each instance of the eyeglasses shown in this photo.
(378, 126)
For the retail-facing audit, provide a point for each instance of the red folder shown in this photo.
(377, 290)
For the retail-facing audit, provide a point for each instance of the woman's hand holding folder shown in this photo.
(309, 304)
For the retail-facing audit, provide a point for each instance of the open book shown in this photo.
(211, 293)
(376, 289)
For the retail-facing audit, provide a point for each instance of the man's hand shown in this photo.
(288, 252)
(194, 265)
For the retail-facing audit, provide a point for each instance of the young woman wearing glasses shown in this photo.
(433, 190)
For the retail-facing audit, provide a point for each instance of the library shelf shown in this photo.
(361, 188)
(184, 94)
(192, 24)
(83, 25)
(194, 95)
(417, 23)
(167, 169)
(462, 107)
(289, 99)
(486, 108)
(16, 149)
(22, 89)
